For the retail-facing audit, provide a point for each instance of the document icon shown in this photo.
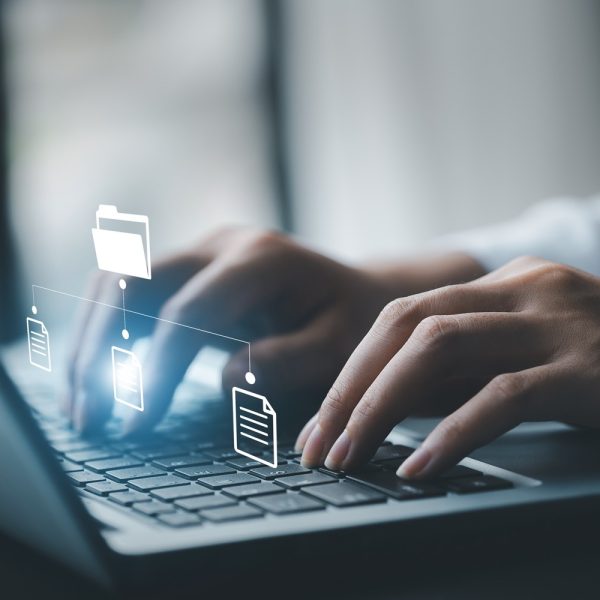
(254, 427)
(39, 344)
(122, 242)
(127, 379)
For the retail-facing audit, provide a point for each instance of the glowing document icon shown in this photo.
(122, 242)
(254, 427)
(39, 344)
(127, 379)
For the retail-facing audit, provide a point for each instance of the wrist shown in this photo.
(413, 276)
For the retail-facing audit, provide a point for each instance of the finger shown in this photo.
(389, 333)
(505, 402)
(82, 319)
(440, 348)
(92, 396)
(305, 433)
(288, 362)
(215, 300)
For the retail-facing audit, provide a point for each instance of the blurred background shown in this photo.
(366, 127)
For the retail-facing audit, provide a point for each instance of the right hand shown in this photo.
(304, 314)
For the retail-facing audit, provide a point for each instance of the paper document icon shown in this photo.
(254, 427)
(38, 340)
(127, 379)
(122, 242)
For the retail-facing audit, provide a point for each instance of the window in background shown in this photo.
(154, 106)
(409, 119)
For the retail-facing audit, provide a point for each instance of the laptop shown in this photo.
(129, 513)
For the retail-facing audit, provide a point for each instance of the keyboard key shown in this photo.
(203, 502)
(282, 471)
(102, 488)
(253, 489)
(72, 446)
(83, 477)
(220, 481)
(153, 507)
(187, 460)
(391, 452)
(243, 464)
(288, 452)
(231, 513)
(159, 452)
(70, 467)
(336, 474)
(81, 456)
(287, 504)
(133, 473)
(179, 519)
(295, 482)
(204, 471)
(344, 493)
(470, 485)
(181, 491)
(122, 462)
(401, 489)
(128, 498)
(146, 484)
(222, 454)
(459, 471)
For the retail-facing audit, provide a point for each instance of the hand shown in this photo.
(303, 312)
(527, 336)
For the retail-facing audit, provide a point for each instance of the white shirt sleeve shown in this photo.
(563, 230)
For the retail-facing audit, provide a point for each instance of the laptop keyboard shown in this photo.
(178, 481)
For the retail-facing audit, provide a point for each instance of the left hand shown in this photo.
(527, 334)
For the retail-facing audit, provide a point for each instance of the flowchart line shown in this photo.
(141, 314)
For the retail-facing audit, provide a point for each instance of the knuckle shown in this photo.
(436, 330)
(264, 241)
(366, 408)
(396, 312)
(507, 386)
(334, 401)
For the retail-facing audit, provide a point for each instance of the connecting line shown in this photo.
(124, 311)
(140, 314)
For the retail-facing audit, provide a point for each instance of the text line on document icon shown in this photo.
(127, 379)
(254, 427)
(38, 340)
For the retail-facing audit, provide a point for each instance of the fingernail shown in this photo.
(416, 464)
(305, 433)
(312, 455)
(338, 453)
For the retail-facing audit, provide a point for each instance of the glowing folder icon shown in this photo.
(122, 242)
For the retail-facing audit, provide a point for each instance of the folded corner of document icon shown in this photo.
(38, 340)
(254, 427)
(127, 379)
(122, 242)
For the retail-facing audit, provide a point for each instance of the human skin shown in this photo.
(519, 344)
(303, 312)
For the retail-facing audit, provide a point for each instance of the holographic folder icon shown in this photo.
(254, 427)
(122, 242)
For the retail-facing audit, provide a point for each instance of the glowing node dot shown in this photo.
(250, 378)
(34, 309)
(122, 284)
(125, 334)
